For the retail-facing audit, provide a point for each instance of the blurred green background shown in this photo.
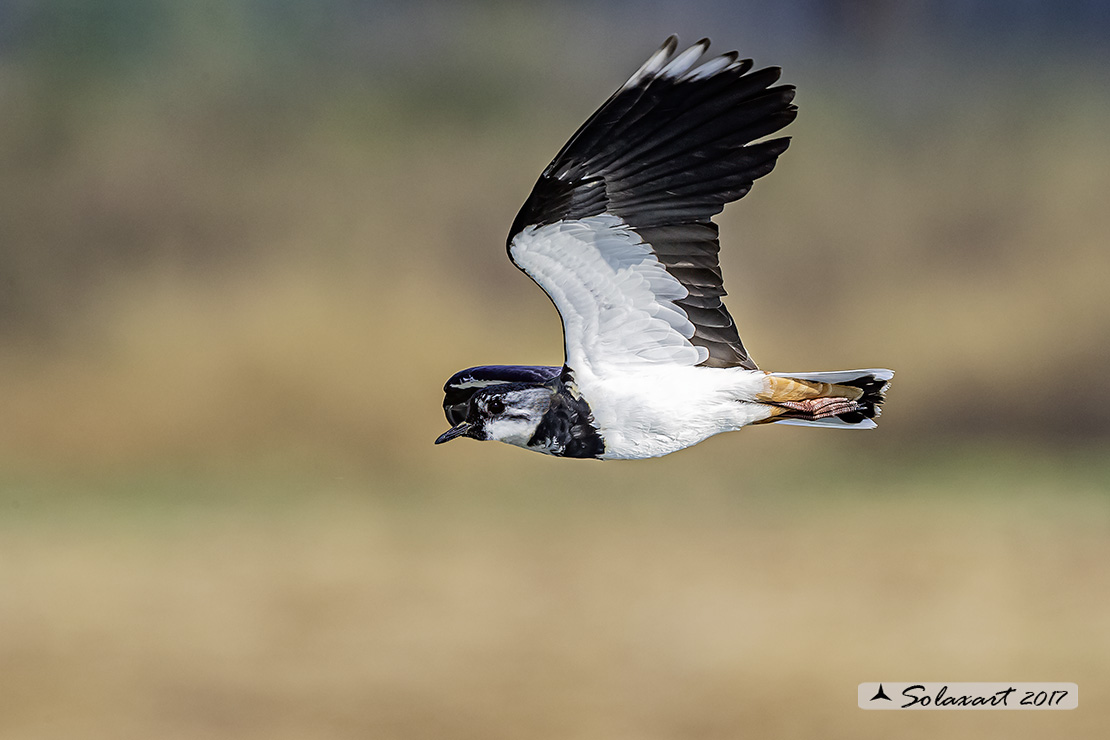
(243, 243)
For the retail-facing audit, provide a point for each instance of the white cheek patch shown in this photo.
(511, 430)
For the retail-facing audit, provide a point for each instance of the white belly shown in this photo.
(652, 411)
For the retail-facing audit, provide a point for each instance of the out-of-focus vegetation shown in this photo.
(224, 227)
(242, 244)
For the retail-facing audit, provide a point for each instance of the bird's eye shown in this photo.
(495, 406)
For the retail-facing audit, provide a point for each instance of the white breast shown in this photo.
(656, 410)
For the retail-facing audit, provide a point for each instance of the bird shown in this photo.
(619, 232)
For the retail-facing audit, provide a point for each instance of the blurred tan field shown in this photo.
(596, 604)
(242, 245)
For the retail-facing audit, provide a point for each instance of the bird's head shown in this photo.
(508, 413)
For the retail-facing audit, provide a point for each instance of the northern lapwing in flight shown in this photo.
(618, 232)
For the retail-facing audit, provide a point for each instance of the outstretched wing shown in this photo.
(618, 230)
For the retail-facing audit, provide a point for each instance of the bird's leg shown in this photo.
(808, 399)
(818, 408)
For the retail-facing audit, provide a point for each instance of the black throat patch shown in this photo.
(568, 429)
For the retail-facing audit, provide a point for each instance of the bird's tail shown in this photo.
(849, 399)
